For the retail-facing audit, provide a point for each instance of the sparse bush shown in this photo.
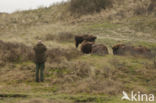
(89, 6)
(15, 52)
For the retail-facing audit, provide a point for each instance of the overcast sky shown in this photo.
(14, 5)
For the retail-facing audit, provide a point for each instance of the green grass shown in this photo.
(70, 98)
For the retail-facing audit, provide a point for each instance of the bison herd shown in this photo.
(88, 46)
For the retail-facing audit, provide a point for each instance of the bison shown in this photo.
(90, 47)
(119, 49)
(122, 49)
(142, 51)
(99, 49)
(86, 47)
(79, 39)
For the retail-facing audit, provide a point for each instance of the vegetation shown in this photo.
(89, 6)
(71, 76)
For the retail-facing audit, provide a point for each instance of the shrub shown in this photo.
(89, 6)
(15, 52)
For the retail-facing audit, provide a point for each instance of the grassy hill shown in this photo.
(70, 76)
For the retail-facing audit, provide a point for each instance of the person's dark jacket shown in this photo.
(40, 53)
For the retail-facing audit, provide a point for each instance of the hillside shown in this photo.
(71, 76)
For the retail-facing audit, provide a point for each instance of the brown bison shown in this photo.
(119, 49)
(80, 39)
(122, 49)
(99, 49)
(90, 47)
(142, 51)
(86, 47)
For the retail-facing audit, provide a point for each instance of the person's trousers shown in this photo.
(40, 71)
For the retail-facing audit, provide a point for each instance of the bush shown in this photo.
(15, 52)
(89, 6)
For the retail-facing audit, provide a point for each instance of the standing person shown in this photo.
(40, 59)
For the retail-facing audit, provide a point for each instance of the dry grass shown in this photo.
(16, 74)
(152, 6)
(61, 36)
(81, 77)
(39, 100)
(88, 6)
(57, 54)
(154, 61)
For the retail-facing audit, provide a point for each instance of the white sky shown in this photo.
(14, 5)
